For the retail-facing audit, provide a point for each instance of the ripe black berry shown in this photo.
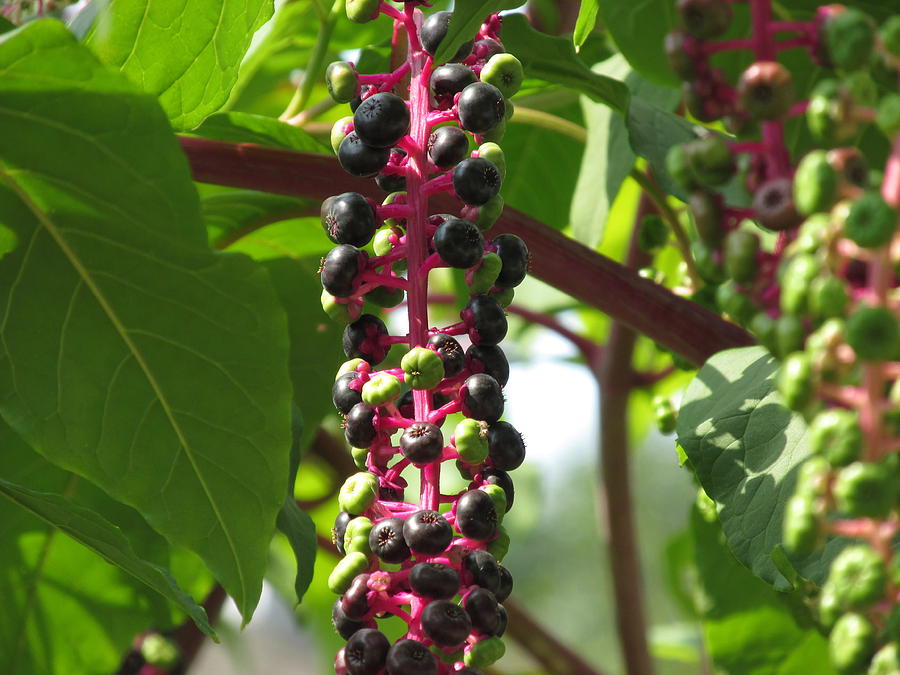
(434, 580)
(450, 351)
(359, 159)
(486, 319)
(506, 585)
(354, 602)
(433, 30)
(386, 540)
(410, 657)
(450, 79)
(393, 182)
(476, 181)
(361, 339)
(484, 570)
(446, 623)
(476, 516)
(459, 243)
(348, 218)
(344, 626)
(503, 621)
(381, 120)
(514, 254)
(505, 446)
(340, 268)
(482, 398)
(343, 397)
(422, 443)
(487, 47)
(490, 360)
(482, 608)
(481, 107)
(366, 652)
(340, 527)
(427, 532)
(774, 205)
(359, 428)
(447, 146)
(494, 476)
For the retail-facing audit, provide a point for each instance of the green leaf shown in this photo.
(300, 531)
(186, 52)
(145, 363)
(553, 59)
(468, 15)
(587, 19)
(638, 28)
(745, 447)
(6, 25)
(238, 127)
(232, 214)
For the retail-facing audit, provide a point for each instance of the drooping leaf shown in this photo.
(238, 127)
(553, 59)
(229, 215)
(745, 447)
(186, 52)
(638, 28)
(144, 362)
(587, 19)
(468, 15)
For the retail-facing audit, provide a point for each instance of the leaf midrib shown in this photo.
(43, 218)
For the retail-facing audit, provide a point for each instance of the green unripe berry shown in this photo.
(380, 389)
(359, 456)
(494, 153)
(795, 381)
(341, 81)
(874, 334)
(706, 208)
(504, 71)
(828, 297)
(871, 222)
(801, 531)
(735, 303)
(811, 235)
(498, 496)
(509, 109)
(348, 367)
(485, 653)
(679, 168)
(835, 434)
(356, 536)
(886, 661)
(396, 223)
(358, 492)
(653, 233)
(386, 296)
(470, 439)
(861, 88)
(887, 116)
(485, 275)
(851, 643)
(381, 243)
(339, 131)
(812, 478)
(764, 328)
(345, 571)
(362, 11)
(709, 270)
(857, 577)
(829, 114)
(665, 414)
(766, 90)
(504, 296)
(499, 547)
(340, 312)
(160, 651)
(423, 368)
(795, 281)
(849, 37)
(741, 248)
(710, 159)
(788, 335)
(865, 490)
(815, 184)
(489, 213)
(890, 35)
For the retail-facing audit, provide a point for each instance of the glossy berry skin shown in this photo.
(343, 396)
(361, 339)
(349, 218)
(447, 146)
(505, 446)
(486, 320)
(490, 360)
(340, 268)
(434, 580)
(366, 652)
(410, 657)
(482, 398)
(450, 351)
(494, 476)
(450, 79)
(422, 443)
(481, 107)
(504, 71)
(391, 182)
(446, 623)
(427, 532)
(766, 90)
(459, 243)
(487, 48)
(433, 30)
(514, 255)
(341, 81)
(359, 429)
(386, 540)
(340, 527)
(345, 626)
(476, 516)
(359, 159)
(381, 120)
(484, 570)
(483, 610)
(505, 586)
(476, 181)
(354, 602)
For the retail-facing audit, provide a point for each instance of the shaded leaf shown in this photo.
(230, 215)
(468, 15)
(638, 28)
(238, 127)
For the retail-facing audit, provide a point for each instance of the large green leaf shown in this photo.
(232, 214)
(745, 447)
(468, 15)
(553, 59)
(638, 28)
(187, 52)
(238, 127)
(144, 362)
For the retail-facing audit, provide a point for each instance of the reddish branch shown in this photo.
(674, 322)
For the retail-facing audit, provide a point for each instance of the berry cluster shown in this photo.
(824, 298)
(432, 563)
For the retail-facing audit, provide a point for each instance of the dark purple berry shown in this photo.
(680, 59)
(422, 443)
(488, 359)
(506, 585)
(434, 580)
(476, 516)
(774, 205)
(476, 181)
(362, 339)
(459, 243)
(486, 48)
(503, 621)
(505, 446)
(484, 570)
(386, 540)
(359, 159)
(340, 268)
(433, 31)
(344, 626)
(391, 182)
(450, 351)
(390, 494)
(486, 320)
(705, 19)
(482, 608)
(349, 218)
(343, 395)
(427, 532)
(514, 255)
(447, 146)
(482, 398)
(359, 428)
(381, 120)
(766, 90)
(481, 107)
(446, 623)
(340, 527)
(410, 657)
(494, 476)
(354, 602)
(366, 652)
(450, 79)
